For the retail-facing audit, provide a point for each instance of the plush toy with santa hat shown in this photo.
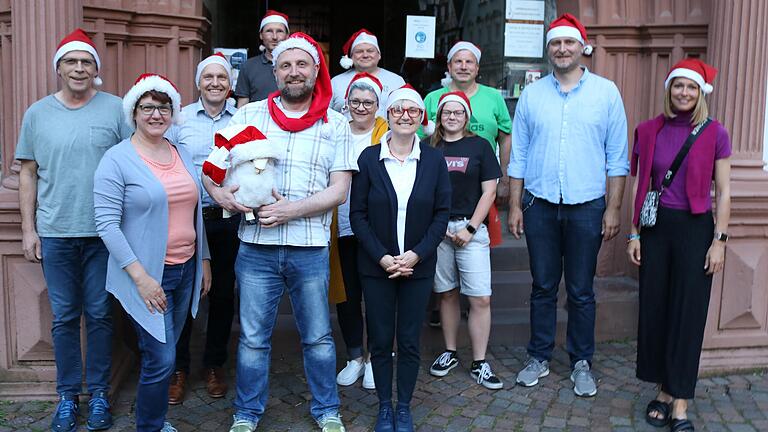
(243, 156)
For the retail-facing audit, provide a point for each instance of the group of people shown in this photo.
(381, 198)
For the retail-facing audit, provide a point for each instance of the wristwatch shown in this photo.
(471, 229)
(723, 237)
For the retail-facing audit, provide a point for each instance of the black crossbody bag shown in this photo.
(650, 207)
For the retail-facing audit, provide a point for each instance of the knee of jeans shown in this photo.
(585, 298)
(98, 313)
(158, 365)
(66, 315)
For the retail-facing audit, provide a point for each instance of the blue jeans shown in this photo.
(562, 237)
(75, 271)
(264, 273)
(157, 358)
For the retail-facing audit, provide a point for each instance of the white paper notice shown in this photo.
(523, 40)
(420, 36)
(525, 10)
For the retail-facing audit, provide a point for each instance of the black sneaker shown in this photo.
(484, 376)
(443, 364)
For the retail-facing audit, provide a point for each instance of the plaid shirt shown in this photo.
(310, 156)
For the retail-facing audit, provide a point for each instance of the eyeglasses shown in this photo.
(72, 62)
(457, 113)
(398, 111)
(149, 109)
(367, 104)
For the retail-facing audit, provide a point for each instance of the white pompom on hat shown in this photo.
(359, 37)
(695, 70)
(144, 83)
(569, 26)
(78, 40)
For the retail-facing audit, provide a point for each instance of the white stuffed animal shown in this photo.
(243, 156)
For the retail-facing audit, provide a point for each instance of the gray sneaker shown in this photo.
(242, 425)
(331, 423)
(532, 371)
(583, 380)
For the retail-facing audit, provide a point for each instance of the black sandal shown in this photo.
(681, 425)
(663, 408)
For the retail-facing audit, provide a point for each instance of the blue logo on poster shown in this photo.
(421, 37)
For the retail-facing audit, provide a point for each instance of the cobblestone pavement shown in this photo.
(736, 402)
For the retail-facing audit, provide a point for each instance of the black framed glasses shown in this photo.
(367, 104)
(398, 111)
(149, 109)
(457, 113)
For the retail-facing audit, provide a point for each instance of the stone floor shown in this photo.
(735, 402)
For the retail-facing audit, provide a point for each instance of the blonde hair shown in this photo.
(700, 111)
(439, 133)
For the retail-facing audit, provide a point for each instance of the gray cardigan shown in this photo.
(131, 209)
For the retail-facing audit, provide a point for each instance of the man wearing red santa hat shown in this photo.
(210, 113)
(256, 80)
(287, 250)
(567, 173)
(362, 51)
(71, 129)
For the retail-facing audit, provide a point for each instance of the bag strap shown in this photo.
(670, 174)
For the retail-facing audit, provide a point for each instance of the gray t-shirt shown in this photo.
(257, 79)
(67, 145)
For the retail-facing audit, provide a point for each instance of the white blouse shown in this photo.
(402, 175)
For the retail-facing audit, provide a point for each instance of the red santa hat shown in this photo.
(456, 96)
(569, 26)
(144, 83)
(78, 41)
(216, 58)
(408, 93)
(359, 37)
(366, 78)
(695, 70)
(273, 16)
(464, 45)
(321, 94)
(236, 144)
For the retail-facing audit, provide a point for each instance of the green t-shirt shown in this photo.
(489, 112)
(67, 145)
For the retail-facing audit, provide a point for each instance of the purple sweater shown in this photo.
(672, 133)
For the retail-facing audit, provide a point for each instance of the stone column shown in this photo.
(26, 350)
(737, 331)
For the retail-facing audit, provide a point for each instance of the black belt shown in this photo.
(457, 218)
(213, 213)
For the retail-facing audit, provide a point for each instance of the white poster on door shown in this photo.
(420, 36)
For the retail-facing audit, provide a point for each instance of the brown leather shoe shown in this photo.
(178, 388)
(215, 382)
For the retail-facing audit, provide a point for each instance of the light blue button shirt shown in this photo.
(564, 144)
(196, 132)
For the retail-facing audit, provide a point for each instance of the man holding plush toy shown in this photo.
(287, 248)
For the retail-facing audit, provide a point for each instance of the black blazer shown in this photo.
(373, 211)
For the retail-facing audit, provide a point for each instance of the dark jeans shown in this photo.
(75, 271)
(222, 244)
(674, 299)
(157, 358)
(398, 312)
(350, 312)
(562, 237)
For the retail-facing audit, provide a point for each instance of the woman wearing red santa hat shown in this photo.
(399, 179)
(149, 215)
(674, 238)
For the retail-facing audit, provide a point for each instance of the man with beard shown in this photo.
(570, 133)
(201, 119)
(288, 249)
(256, 81)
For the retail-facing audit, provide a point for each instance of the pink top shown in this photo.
(182, 198)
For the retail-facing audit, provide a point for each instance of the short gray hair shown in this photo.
(357, 85)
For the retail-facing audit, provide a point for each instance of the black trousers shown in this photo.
(350, 312)
(674, 298)
(223, 245)
(398, 311)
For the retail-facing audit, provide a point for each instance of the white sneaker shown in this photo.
(368, 382)
(350, 374)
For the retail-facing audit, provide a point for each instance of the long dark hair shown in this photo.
(437, 137)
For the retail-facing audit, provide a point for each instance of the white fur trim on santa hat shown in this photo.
(365, 38)
(295, 42)
(269, 19)
(409, 94)
(458, 46)
(153, 82)
(691, 75)
(212, 59)
(455, 98)
(569, 32)
(79, 46)
(257, 149)
(371, 83)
